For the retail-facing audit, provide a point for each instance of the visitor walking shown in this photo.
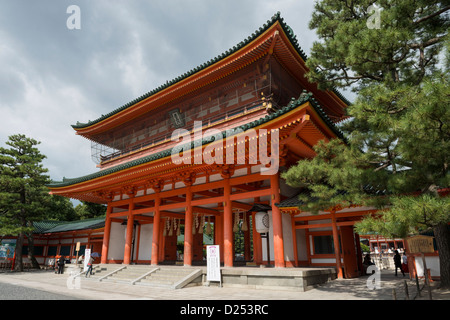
(398, 263)
(90, 263)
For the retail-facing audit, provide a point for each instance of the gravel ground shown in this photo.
(17, 292)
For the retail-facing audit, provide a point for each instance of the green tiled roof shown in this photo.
(63, 226)
(42, 226)
(304, 97)
(257, 33)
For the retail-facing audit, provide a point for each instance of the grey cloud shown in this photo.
(53, 77)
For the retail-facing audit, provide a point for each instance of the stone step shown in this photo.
(158, 280)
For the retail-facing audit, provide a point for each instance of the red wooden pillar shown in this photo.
(257, 248)
(188, 237)
(106, 235)
(278, 245)
(337, 249)
(228, 237)
(247, 253)
(129, 234)
(156, 229)
(218, 233)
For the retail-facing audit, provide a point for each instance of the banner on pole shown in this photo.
(87, 256)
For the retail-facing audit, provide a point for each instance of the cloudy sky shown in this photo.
(52, 76)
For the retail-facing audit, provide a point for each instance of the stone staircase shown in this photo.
(145, 275)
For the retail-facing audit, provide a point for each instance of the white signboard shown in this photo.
(213, 263)
(87, 256)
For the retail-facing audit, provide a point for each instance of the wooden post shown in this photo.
(294, 240)
(417, 285)
(337, 250)
(257, 249)
(406, 290)
(106, 236)
(228, 237)
(188, 222)
(156, 229)
(278, 243)
(129, 233)
(425, 275)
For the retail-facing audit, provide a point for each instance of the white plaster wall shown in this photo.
(116, 241)
(323, 260)
(287, 237)
(145, 242)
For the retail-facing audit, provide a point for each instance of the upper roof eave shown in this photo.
(275, 20)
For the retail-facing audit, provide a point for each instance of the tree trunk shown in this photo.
(442, 236)
(33, 260)
(18, 264)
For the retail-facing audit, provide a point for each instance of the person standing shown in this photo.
(405, 262)
(61, 261)
(398, 263)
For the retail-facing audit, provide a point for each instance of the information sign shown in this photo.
(213, 263)
(87, 256)
(420, 244)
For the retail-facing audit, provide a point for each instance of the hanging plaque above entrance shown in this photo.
(176, 118)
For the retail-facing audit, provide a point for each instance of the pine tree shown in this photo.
(396, 153)
(22, 191)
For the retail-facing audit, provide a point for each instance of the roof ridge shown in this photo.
(275, 18)
(187, 74)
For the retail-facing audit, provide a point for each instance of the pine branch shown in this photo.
(431, 15)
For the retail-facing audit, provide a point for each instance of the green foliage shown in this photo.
(364, 247)
(87, 210)
(60, 208)
(408, 215)
(404, 48)
(398, 129)
(22, 180)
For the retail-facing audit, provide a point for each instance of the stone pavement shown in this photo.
(340, 289)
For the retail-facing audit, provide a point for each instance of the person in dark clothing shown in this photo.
(367, 262)
(61, 261)
(398, 263)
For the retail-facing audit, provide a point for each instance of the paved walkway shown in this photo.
(345, 289)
